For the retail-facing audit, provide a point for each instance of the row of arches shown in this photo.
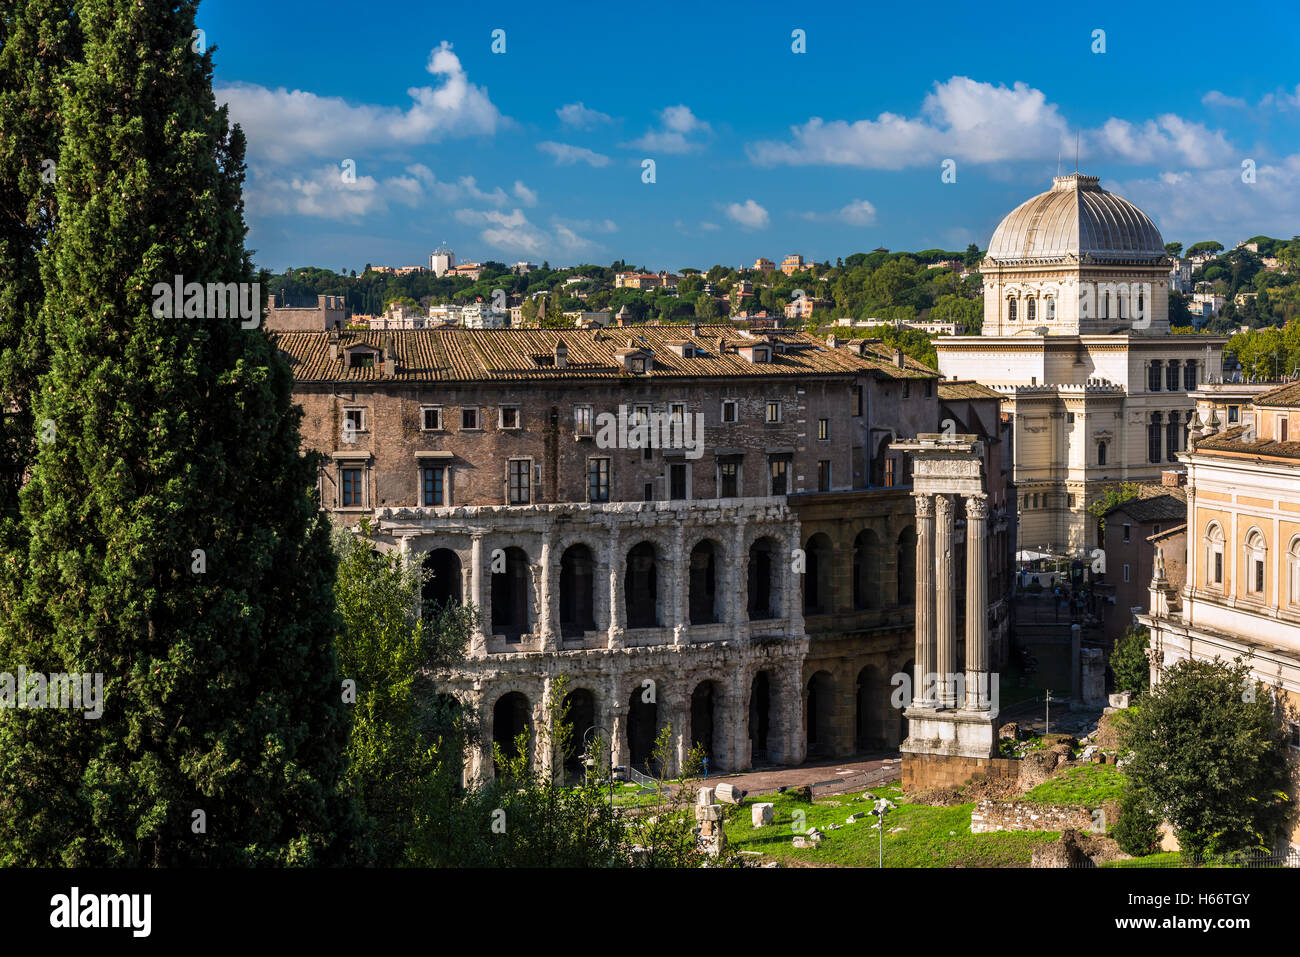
(644, 590)
(866, 580)
(1255, 564)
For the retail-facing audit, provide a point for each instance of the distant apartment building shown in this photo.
(523, 268)
(1180, 275)
(646, 280)
(469, 270)
(931, 328)
(328, 313)
(946, 264)
(441, 261)
(803, 306)
(792, 264)
(1207, 304)
(1130, 552)
(764, 265)
(583, 319)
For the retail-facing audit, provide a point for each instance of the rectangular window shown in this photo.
(824, 475)
(774, 412)
(582, 420)
(469, 418)
(649, 491)
(1234, 413)
(677, 480)
(780, 473)
(509, 417)
(353, 496)
(889, 472)
(728, 411)
(431, 481)
(1126, 571)
(929, 388)
(677, 412)
(521, 474)
(907, 390)
(1293, 734)
(1281, 429)
(823, 429)
(640, 414)
(1071, 501)
(1218, 568)
(1128, 531)
(857, 400)
(598, 480)
(728, 479)
(1069, 417)
(354, 420)
(431, 419)
(638, 364)
(1259, 576)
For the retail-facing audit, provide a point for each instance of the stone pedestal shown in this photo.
(966, 734)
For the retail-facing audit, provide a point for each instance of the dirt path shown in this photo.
(826, 777)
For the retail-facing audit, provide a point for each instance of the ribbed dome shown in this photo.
(1076, 217)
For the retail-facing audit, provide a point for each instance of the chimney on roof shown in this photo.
(561, 354)
(722, 345)
(1173, 478)
(898, 358)
(390, 356)
(695, 329)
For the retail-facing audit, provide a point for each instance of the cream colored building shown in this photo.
(1241, 595)
(1076, 338)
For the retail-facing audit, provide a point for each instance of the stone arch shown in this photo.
(909, 669)
(764, 591)
(818, 588)
(580, 704)
(872, 703)
(762, 729)
(819, 703)
(705, 705)
(511, 717)
(442, 578)
(868, 565)
(705, 594)
(642, 726)
(510, 599)
(907, 566)
(642, 591)
(577, 590)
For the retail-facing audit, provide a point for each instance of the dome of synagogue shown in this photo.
(1076, 217)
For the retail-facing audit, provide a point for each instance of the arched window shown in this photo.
(1031, 310)
(1141, 309)
(1256, 560)
(1214, 556)
(1293, 572)
(1101, 453)
(1189, 376)
(1153, 376)
(1171, 375)
(1049, 308)
(1011, 310)
(1173, 433)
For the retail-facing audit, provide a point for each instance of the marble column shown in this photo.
(977, 648)
(945, 618)
(678, 585)
(921, 689)
(546, 608)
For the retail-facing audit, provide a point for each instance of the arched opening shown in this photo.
(1101, 453)
(577, 591)
(642, 723)
(581, 716)
(907, 566)
(510, 595)
(868, 569)
(882, 465)
(817, 720)
(641, 587)
(1011, 310)
(704, 605)
(1031, 310)
(760, 702)
(872, 697)
(817, 593)
(764, 590)
(909, 669)
(703, 702)
(441, 585)
(510, 720)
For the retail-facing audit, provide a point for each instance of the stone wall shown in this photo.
(924, 771)
(990, 816)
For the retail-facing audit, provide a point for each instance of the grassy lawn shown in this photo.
(1090, 785)
(930, 836)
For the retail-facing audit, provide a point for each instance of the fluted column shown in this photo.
(977, 645)
(678, 588)
(945, 624)
(921, 689)
(546, 608)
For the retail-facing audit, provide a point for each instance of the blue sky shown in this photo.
(536, 153)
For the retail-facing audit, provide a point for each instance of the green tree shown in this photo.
(406, 740)
(706, 307)
(1207, 750)
(175, 544)
(1174, 249)
(1128, 660)
(1137, 832)
(1109, 497)
(1205, 246)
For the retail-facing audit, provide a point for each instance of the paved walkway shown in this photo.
(825, 776)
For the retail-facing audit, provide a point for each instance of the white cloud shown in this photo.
(676, 124)
(1215, 98)
(513, 232)
(322, 192)
(1214, 203)
(710, 227)
(525, 195)
(1279, 101)
(978, 122)
(578, 115)
(285, 125)
(858, 213)
(566, 155)
(748, 214)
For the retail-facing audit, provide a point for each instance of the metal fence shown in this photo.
(1237, 859)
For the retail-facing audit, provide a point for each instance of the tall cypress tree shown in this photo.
(175, 545)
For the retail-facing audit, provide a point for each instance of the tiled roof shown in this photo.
(1229, 440)
(954, 390)
(1170, 505)
(477, 355)
(1284, 395)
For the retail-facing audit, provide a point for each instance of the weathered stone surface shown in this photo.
(705, 796)
(1067, 852)
(708, 812)
(991, 816)
(1009, 732)
(762, 814)
(855, 818)
(801, 793)
(729, 794)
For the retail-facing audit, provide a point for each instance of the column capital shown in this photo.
(943, 505)
(924, 504)
(977, 506)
